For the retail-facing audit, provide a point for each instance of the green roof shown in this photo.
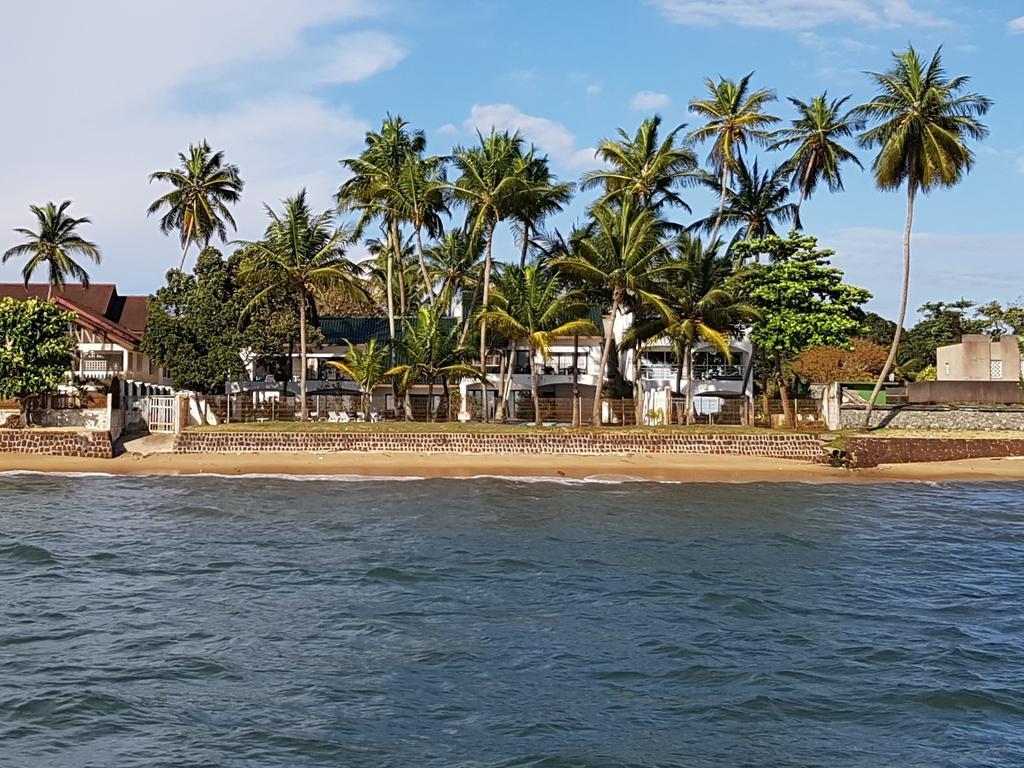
(358, 330)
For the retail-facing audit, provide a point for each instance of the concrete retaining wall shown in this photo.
(783, 446)
(872, 451)
(937, 417)
(87, 444)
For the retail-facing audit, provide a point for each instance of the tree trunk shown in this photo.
(184, 252)
(638, 393)
(407, 406)
(447, 401)
(805, 179)
(534, 386)
(483, 323)
(577, 417)
(526, 245)
(431, 411)
(688, 367)
(366, 404)
(505, 382)
(423, 267)
(302, 358)
(721, 204)
(609, 336)
(396, 250)
(391, 293)
(894, 348)
(787, 406)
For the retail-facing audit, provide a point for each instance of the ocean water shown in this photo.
(273, 622)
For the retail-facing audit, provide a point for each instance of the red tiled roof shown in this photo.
(100, 304)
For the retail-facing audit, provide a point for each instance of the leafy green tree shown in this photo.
(531, 303)
(622, 251)
(192, 329)
(815, 138)
(423, 191)
(203, 186)
(431, 350)
(735, 117)
(56, 245)
(301, 252)
(375, 191)
(492, 185)
(941, 323)
(878, 329)
(368, 367)
(35, 349)
(921, 123)
(803, 303)
(756, 204)
(642, 167)
(999, 320)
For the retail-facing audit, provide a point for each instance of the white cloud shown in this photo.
(944, 266)
(551, 137)
(1016, 26)
(649, 100)
(797, 14)
(361, 55)
(448, 129)
(129, 103)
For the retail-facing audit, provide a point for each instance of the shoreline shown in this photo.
(677, 468)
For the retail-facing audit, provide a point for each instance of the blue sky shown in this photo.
(288, 90)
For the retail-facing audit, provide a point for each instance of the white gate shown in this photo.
(162, 413)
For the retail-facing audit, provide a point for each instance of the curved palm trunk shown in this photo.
(894, 348)
(609, 336)
(483, 323)
(505, 382)
(804, 182)
(423, 266)
(535, 386)
(431, 411)
(526, 245)
(721, 203)
(396, 252)
(577, 417)
(302, 358)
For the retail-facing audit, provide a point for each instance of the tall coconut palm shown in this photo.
(203, 186)
(56, 244)
(530, 303)
(648, 169)
(817, 152)
(490, 184)
(303, 252)
(735, 118)
(375, 188)
(381, 271)
(754, 205)
(921, 123)
(623, 252)
(423, 190)
(456, 264)
(368, 367)
(431, 350)
(543, 196)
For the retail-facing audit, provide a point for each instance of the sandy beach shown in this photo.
(674, 468)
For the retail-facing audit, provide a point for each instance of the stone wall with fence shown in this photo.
(936, 417)
(82, 443)
(781, 446)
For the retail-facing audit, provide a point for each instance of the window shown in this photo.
(996, 369)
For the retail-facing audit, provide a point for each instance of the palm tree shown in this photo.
(702, 308)
(642, 167)
(735, 116)
(423, 191)
(757, 203)
(491, 186)
(380, 268)
(303, 252)
(922, 122)
(622, 251)
(531, 303)
(367, 367)
(197, 206)
(455, 262)
(543, 196)
(818, 154)
(431, 350)
(55, 244)
(375, 188)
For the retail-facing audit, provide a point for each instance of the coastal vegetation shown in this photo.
(35, 349)
(430, 223)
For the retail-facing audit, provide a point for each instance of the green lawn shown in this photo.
(418, 427)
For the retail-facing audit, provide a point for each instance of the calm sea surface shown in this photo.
(273, 622)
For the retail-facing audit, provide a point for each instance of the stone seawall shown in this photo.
(784, 446)
(941, 417)
(86, 444)
(871, 451)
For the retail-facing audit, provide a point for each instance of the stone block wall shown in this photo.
(937, 417)
(87, 444)
(781, 446)
(872, 451)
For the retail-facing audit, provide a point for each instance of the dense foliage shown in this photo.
(35, 347)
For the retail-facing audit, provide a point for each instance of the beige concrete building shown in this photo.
(979, 358)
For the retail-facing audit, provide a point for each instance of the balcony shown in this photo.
(701, 372)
